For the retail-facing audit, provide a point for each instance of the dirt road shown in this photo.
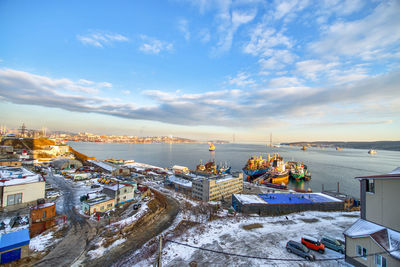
(79, 233)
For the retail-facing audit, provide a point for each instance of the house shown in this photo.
(97, 203)
(14, 246)
(20, 187)
(121, 171)
(374, 239)
(120, 192)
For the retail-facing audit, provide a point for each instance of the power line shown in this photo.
(272, 259)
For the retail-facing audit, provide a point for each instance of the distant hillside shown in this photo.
(378, 145)
(27, 143)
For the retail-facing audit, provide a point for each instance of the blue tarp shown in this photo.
(14, 240)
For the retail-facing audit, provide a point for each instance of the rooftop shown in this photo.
(14, 239)
(395, 174)
(388, 239)
(18, 175)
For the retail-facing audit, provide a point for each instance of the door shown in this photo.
(9, 256)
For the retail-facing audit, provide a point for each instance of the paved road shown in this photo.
(79, 234)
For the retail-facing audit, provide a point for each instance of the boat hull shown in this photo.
(252, 174)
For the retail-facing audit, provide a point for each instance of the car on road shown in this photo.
(136, 206)
(333, 244)
(299, 249)
(313, 243)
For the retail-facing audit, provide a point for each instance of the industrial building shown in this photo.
(14, 246)
(97, 203)
(120, 192)
(374, 239)
(284, 203)
(216, 188)
(66, 164)
(19, 187)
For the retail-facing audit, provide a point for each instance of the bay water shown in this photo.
(328, 166)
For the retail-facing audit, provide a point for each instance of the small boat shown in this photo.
(372, 151)
(212, 147)
(304, 148)
(303, 191)
(297, 171)
(339, 148)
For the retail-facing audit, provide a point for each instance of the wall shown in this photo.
(37, 213)
(98, 207)
(12, 163)
(382, 206)
(371, 247)
(24, 254)
(30, 192)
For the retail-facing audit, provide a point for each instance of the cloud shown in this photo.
(183, 26)
(126, 92)
(101, 39)
(275, 104)
(241, 79)
(349, 123)
(368, 38)
(288, 7)
(204, 35)
(154, 46)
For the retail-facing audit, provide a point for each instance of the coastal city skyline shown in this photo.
(203, 70)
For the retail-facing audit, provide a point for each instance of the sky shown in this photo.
(301, 70)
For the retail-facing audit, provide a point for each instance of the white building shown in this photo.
(19, 187)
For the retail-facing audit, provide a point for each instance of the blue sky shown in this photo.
(300, 69)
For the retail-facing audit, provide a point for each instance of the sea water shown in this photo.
(328, 166)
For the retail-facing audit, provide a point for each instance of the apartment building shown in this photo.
(374, 239)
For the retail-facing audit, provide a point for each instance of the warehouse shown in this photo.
(14, 246)
(284, 203)
(62, 164)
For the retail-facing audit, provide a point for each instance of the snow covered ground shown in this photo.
(43, 241)
(228, 235)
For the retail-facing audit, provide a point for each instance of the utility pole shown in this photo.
(158, 262)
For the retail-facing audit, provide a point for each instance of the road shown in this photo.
(79, 233)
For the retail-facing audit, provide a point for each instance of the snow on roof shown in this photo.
(394, 242)
(9, 240)
(227, 178)
(249, 199)
(179, 181)
(45, 205)
(103, 165)
(140, 165)
(362, 228)
(328, 196)
(395, 171)
(115, 187)
(17, 175)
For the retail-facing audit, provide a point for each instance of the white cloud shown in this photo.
(276, 59)
(368, 38)
(183, 26)
(204, 35)
(126, 92)
(242, 108)
(101, 39)
(241, 79)
(154, 46)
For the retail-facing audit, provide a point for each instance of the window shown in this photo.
(362, 252)
(44, 214)
(370, 186)
(14, 199)
(380, 261)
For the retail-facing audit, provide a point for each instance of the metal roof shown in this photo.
(395, 174)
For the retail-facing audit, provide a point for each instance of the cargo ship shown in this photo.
(297, 171)
(372, 151)
(212, 168)
(255, 167)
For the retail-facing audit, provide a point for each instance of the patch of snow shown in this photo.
(42, 241)
(100, 251)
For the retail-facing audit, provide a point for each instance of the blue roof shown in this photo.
(296, 198)
(14, 240)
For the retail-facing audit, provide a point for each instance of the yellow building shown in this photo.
(100, 203)
(217, 188)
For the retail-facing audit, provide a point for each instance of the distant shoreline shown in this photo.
(377, 145)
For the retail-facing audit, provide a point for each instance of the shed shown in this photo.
(43, 212)
(14, 246)
(61, 164)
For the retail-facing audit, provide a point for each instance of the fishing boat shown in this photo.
(372, 151)
(277, 172)
(339, 148)
(304, 148)
(212, 147)
(212, 168)
(255, 167)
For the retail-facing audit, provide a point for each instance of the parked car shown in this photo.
(313, 243)
(333, 244)
(136, 206)
(299, 249)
